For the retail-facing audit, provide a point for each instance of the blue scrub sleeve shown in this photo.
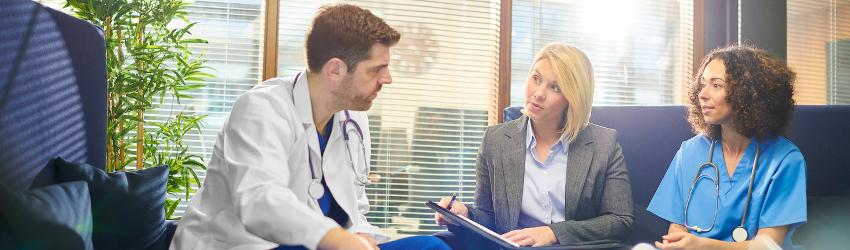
(785, 198)
(667, 202)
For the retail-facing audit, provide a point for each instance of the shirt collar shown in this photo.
(531, 141)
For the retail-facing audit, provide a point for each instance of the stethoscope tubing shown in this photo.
(317, 178)
(698, 176)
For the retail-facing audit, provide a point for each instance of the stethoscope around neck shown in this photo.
(361, 171)
(739, 234)
(362, 176)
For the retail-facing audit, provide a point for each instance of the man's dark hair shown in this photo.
(346, 32)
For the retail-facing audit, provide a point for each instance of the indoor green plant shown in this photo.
(148, 59)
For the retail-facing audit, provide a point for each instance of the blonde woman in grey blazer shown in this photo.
(551, 177)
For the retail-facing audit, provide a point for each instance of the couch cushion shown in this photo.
(822, 132)
(650, 137)
(127, 207)
(51, 217)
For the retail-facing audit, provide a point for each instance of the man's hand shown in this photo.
(338, 238)
(457, 208)
(534, 236)
(369, 240)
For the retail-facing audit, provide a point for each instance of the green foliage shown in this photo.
(167, 143)
(148, 59)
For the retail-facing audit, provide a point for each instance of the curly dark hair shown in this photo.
(759, 89)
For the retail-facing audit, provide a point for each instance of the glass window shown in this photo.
(234, 30)
(641, 50)
(819, 50)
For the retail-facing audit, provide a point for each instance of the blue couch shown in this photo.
(651, 135)
(52, 95)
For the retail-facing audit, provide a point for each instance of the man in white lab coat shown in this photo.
(290, 164)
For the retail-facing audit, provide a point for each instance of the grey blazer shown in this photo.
(598, 192)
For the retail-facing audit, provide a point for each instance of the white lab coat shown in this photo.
(255, 192)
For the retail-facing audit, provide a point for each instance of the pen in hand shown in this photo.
(452, 201)
(439, 219)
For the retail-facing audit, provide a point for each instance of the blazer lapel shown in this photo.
(513, 153)
(578, 164)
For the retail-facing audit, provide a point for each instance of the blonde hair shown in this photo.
(575, 79)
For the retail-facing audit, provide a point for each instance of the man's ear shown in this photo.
(335, 69)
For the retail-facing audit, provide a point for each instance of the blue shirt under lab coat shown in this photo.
(778, 196)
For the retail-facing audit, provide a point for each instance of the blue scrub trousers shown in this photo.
(332, 210)
(408, 243)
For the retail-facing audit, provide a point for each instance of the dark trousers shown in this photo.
(459, 238)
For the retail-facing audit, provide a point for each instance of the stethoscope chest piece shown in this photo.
(316, 189)
(740, 234)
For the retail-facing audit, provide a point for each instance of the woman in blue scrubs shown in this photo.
(752, 181)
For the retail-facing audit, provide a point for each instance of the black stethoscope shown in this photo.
(740, 233)
(361, 173)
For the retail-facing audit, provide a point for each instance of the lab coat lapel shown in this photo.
(303, 104)
(578, 164)
(339, 177)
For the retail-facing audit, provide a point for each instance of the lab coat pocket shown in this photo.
(361, 199)
(360, 191)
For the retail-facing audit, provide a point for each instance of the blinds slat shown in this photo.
(819, 50)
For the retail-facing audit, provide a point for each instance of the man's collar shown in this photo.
(301, 97)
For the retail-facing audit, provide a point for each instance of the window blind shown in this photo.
(425, 127)
(641, 50)
(819, 50)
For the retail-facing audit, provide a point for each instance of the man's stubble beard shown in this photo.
(346, 98)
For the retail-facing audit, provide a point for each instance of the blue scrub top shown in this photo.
(778, 196)
(330, 208)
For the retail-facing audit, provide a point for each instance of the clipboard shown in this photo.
(496, 238)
